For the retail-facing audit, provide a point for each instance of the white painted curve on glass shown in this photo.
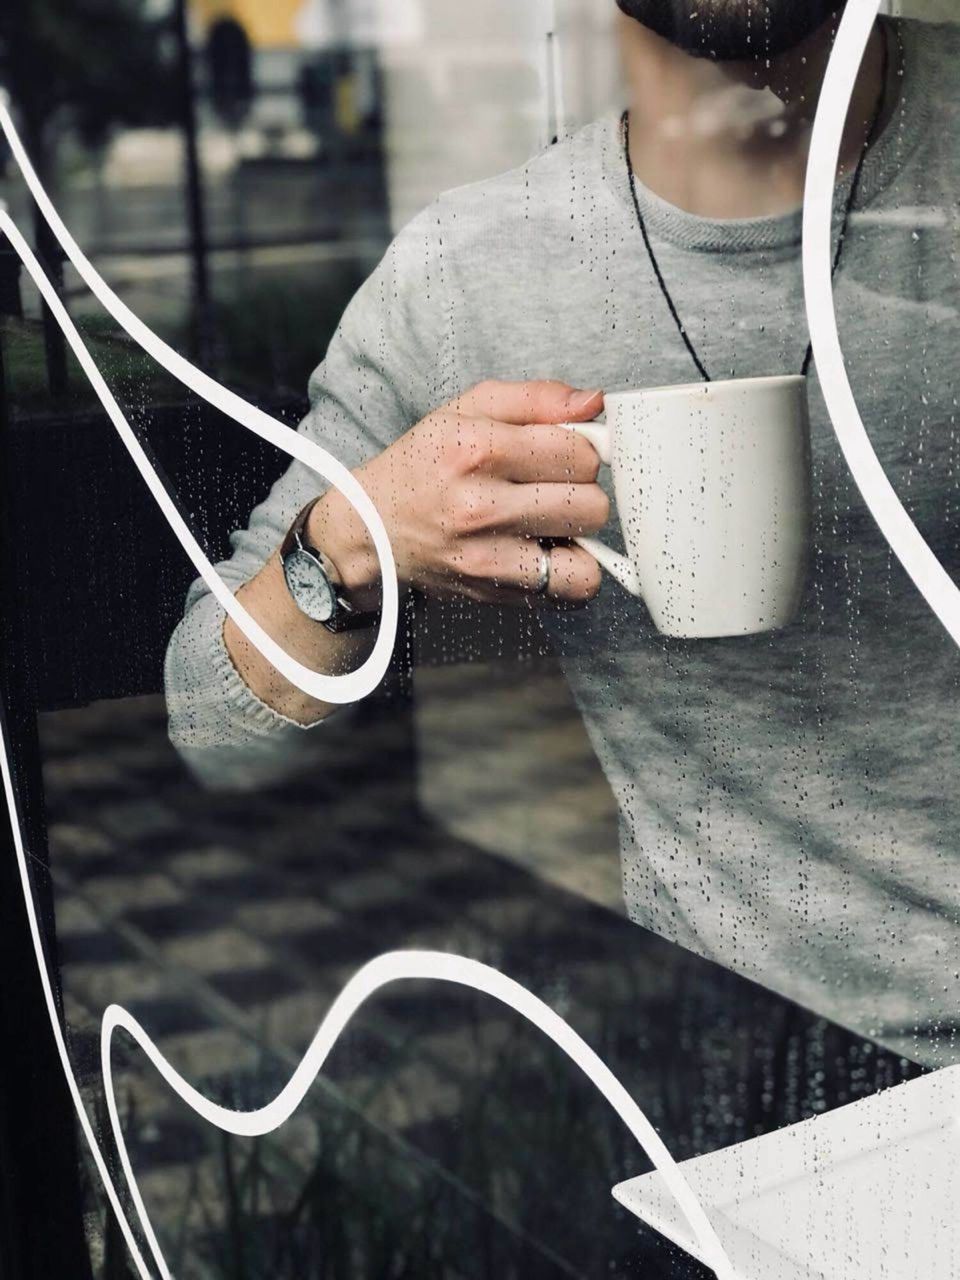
(74, 1088)
(347, 688)
(928, 574)
(377, 973)
(917, 558)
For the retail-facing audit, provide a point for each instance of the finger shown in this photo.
(538, 510)
(521, 403)
(575, 577)
(541, 453)
(509, 570)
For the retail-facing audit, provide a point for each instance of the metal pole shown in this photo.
(11, 303)
(41, 1225)
(51, 255)
(200, 279)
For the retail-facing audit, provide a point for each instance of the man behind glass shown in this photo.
(785, 799)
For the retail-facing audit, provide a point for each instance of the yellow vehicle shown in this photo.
(267, 26)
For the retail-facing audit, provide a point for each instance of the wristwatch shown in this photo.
(315, 584)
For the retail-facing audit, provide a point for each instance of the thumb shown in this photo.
(525, 403)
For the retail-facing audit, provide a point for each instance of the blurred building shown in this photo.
(460, 91)
(485, 85)
(312, 78)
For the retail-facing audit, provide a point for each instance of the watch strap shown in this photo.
(347, 617)
(295, 533)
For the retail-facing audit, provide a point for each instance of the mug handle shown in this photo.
(618, 566)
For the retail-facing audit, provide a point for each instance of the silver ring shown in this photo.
(543, 578)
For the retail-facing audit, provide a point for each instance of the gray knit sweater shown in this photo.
(789, 802)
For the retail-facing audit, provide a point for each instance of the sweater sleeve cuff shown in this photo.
(242, 705)
(210, 707)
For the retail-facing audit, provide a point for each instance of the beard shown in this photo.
(732, 30)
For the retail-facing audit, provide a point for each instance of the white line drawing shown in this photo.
(378, 972)
(332, 689)
(392, 967)
(928, 574)
(919, 561)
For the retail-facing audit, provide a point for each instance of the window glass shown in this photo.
(532, 275)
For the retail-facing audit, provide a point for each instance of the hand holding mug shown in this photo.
(468, 492)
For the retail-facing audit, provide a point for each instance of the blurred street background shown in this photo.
(235, 168)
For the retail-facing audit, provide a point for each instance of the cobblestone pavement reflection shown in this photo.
(444, 1139)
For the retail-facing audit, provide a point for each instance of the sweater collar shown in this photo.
(686, 230)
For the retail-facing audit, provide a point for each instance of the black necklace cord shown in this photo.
(668, 297)
(851, 200)
(871, 138)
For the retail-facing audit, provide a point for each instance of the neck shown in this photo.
(730, 140)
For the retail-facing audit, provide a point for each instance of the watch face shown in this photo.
(309, 586)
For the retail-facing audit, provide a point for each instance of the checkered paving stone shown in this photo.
(442, 1136)
(227, 924)
(506, 765)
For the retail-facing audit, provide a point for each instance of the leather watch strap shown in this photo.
(347, 617)
(296, 530)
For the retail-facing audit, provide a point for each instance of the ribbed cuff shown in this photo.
(243, 707)
(209, 705)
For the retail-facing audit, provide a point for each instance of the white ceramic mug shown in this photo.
(712, 482)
